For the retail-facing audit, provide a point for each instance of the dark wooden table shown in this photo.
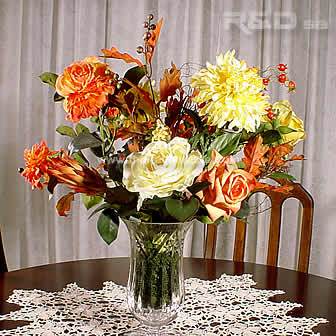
(316, 294)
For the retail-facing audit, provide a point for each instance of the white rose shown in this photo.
(162, 168)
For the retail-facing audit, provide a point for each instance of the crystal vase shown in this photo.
(155, 290)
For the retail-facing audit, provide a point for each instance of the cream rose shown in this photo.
(162, 168)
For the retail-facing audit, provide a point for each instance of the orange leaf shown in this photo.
(254, 153)
(297, 158)
(277, 155)
(285, 189)
(170, 82)
(153, 40)
(63, 205)
(115, 53)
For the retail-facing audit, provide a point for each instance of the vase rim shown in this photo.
(135, 220)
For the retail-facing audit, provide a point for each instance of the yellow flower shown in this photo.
(162, 168)
(232, 93)
(161, 132)
(287, 117)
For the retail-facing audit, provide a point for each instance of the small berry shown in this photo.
(140, 50)
(147, 36)
(266, 81)
(282, 78)
(149, 49)
(152, 26)
(291, 85)
(150, 17)
(282, 67)
(145, 24)
(116, 76)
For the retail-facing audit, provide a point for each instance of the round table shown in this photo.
(316, 294)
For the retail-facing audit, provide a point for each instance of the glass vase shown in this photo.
(155, 290)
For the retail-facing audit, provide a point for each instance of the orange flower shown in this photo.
(77, 177)
(36, 167)
(112, 112)
(229, 186)
(85, 85)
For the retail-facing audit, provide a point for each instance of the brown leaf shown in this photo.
(254, 155)
(63, 205)
(115, 53)
(153, 40)
(170, 82)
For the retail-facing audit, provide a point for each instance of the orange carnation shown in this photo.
(36, 167)
(229, 186)
(85, 85)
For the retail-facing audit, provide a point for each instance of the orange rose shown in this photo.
(85, 85)
(229, 186)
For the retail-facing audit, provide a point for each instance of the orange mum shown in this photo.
(37, 161)
(85, 85)
(42, 163)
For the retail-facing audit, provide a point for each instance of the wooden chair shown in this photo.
(277, 200)
(3, 264)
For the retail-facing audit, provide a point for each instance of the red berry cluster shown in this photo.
(279, 72)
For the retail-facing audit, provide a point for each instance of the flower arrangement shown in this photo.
(178, 158)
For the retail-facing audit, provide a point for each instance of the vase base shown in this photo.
(147, 331)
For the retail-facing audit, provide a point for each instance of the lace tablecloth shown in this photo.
(226, 306)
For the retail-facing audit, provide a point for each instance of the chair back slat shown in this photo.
(306, 228)
(277, 199)
(274, 234)
(210, 241)
(240, 237)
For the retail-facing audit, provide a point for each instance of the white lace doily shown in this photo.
(226, 306)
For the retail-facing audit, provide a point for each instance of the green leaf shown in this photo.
(82, 141)
(58, 97)
(268, 126)
(281, 175)
(205, 220)
(243, 211)
(66, 130)
(285, 129)
(270, 137)
(182, 210)
(134, 75)
(225, 144)
(80, 128)
(49, 78)
(108, 225)
(100, 208)
(221, 220)
(91, 201)
(241, 165)
(198, 186)
(80, 158)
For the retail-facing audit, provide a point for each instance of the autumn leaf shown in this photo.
(170, 82)
(296, 158)
(254, 155)
(63, 205)
(115, 53)
(285, 189)
(152, 41)
(277, 156)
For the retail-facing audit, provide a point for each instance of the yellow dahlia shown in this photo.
(230, 93)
